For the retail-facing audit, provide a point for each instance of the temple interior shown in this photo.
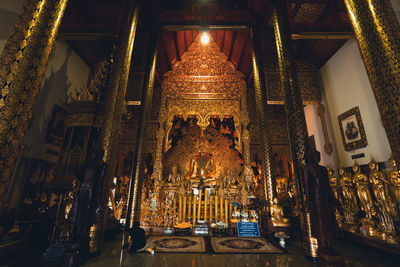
(234, 132)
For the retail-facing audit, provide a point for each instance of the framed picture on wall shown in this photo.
(352, 129)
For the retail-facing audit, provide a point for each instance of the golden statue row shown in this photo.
(374, 197)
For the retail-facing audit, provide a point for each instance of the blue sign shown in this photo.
(248, 229)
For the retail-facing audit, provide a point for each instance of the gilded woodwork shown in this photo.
(378, 35)
(294, 111)
(22, 66)
(321, 113)
(262, 114)
(115, 101)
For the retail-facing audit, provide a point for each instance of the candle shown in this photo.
(216, 209)
(230, 210)
(205, 205)
(199, 206)
(211, 214)
(184, 208)
(194, 210)
(226, 211)
(221, 206)
(190, 207)
(180, 209)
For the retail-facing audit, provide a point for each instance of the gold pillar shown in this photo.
(378, 35)
(226, 211)
(294, 109)
(262, 113)
(199, 210)
(211, 213)
(147, 97)
(184, 208)
(113, 114)
(190, 207)
(205, 205)
(221, 208)
(180, 209)
(22, 66)
(194, 210)
(216, 209)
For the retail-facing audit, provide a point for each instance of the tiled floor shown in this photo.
(354, 256)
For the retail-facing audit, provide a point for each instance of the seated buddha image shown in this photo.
(202, 166)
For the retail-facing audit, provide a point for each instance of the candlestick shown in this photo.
(230, 210)
(216, 209)
(226, 211)
(194, 210)
(184, 208)
(190, 207)
(180, 209)
(205, 205)
(221, 208)
(199, 206)
(211, 214)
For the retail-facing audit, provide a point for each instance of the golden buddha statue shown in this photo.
(277, 215)
(202, 167)
(174, 177)
(383, 202)
(335, 186)
(363, 193)
(394, 179)
(350, 206)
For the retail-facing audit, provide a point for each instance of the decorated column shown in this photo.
(22, 66)
(113, 114)
(378, 35)
(145, 113)
(294, 113)
(262, 113)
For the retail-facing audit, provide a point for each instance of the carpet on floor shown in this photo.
(243, 245)
(181, 244)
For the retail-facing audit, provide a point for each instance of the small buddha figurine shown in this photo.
(243, 195)
(380, 188)
(277, 215)
(174, 177)
(385, 210)
(336, 190)
(229, 179)
(363, 193)
(350, 206)
(394, 179)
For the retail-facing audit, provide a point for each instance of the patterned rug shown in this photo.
(176, 244)
(243, 245)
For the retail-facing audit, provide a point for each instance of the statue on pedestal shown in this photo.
(350, 206)
(384, 204)
(335, 187)
(394, 179)
(366, 203)
(277, 215)
(202, 167)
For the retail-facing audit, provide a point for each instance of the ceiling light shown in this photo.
(205, 38)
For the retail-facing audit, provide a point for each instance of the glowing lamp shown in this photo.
(205, 38)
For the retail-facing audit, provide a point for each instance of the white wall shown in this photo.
(65, 72)
(314, 127)
(346, 85)
(396, 7)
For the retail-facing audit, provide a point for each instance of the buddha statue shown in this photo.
(174, 177)
(349, 201)
(336, 190)
(229, 179)
(277, 215)
(394, 180)
(202, 167)
(362, 186)
(385, 210)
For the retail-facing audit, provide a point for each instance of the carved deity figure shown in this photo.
(202, 165)
(350, 206)
(385, 210)
(243, 195)
(336, 190)
(394, 179)
(174, 177)
(277, 215)
(229, 179)
(362, 186)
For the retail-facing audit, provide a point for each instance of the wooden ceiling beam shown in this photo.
(178, 54)
(243, 52)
